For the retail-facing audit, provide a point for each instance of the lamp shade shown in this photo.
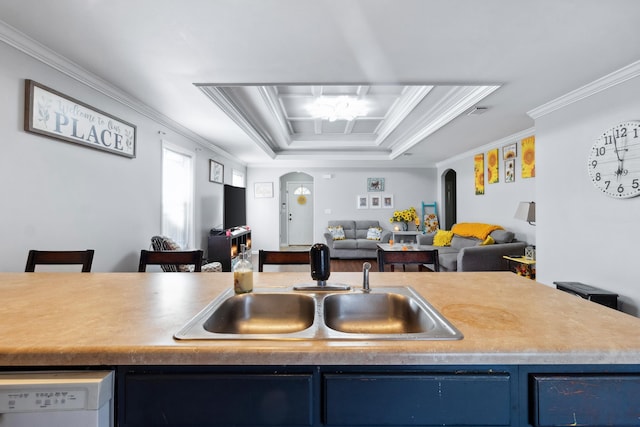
(526, 211)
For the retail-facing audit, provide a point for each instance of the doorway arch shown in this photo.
(450, 198)
(297, 196)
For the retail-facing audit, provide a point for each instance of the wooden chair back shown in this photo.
(409, 257)
(281, 258)
(173, 258)
(84, 258)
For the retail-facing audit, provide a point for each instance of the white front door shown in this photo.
(300, 213)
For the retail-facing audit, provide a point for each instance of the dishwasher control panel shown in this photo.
(42, 399)
(22, 392)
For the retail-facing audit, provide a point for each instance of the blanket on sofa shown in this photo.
(474, 229)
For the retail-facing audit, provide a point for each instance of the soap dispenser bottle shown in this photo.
(243, 272)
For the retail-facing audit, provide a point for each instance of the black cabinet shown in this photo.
(225, 247)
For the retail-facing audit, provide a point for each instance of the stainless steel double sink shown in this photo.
(390, 313)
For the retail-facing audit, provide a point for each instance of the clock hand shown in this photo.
(615, 147)
(621, 171)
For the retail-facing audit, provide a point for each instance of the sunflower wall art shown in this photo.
(492, 166)
(478, 171)
(528, 161)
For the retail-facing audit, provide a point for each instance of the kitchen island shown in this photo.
(522, 340)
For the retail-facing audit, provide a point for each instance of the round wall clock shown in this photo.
(614, 161)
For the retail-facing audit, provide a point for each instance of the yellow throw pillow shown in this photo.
(442, 238)
(488, 241)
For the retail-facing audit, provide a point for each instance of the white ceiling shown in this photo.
(236, 72)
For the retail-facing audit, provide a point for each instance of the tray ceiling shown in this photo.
(397, 117)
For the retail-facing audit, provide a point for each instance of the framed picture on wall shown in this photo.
(478, 171)
(509, 151)
(387, 201)
(510, 170)
(375, 202)
(362, 202)
(216, 172)
(375, 184)
(55, 115)
(263, 190)
(528, 157)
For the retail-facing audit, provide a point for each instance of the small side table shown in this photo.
(523, 266)
(400, 234)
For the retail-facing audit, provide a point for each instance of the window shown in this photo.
(177, 194)
(301, 190)
(237, 178)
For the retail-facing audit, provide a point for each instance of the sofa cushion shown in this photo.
(362, 228)
(337, 232)
(367, 244)
(374, 233)
(348, 226)
(459, 242)
(502, 236)
(345, 244)
(448, 262)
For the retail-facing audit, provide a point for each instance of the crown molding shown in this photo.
(220, 97)
(270, 98)
(409, 100)
(43, 54)
(459, 100)
(617, 77)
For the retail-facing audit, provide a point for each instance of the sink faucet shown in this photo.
(320, 263)
(365, 277)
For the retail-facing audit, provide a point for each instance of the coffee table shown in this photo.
(406, 254)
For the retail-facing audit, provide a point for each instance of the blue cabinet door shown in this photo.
(418, 399)
(586, 400)
(203, 399)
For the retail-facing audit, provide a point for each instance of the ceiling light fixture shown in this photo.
(334, 108)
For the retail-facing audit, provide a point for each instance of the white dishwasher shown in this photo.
(57, 399)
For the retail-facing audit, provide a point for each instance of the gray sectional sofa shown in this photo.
(466, 253)
(355, 245)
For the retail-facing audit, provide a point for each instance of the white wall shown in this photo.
(499, 202)
(584, 235)
(58, 195)
(335, 198)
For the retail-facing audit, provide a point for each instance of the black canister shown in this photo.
(320, 262)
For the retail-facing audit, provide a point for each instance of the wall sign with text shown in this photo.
(50, 113)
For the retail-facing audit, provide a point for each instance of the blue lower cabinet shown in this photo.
(203, 399)
(398, 396)
(586, 400)
(417, 399)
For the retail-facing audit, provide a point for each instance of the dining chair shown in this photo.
(420, 257)
(171, 258)
(281, 258)
(84, 258)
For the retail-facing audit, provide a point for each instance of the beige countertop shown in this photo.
(92, 319)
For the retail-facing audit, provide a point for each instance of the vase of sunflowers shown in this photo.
(401, 219)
